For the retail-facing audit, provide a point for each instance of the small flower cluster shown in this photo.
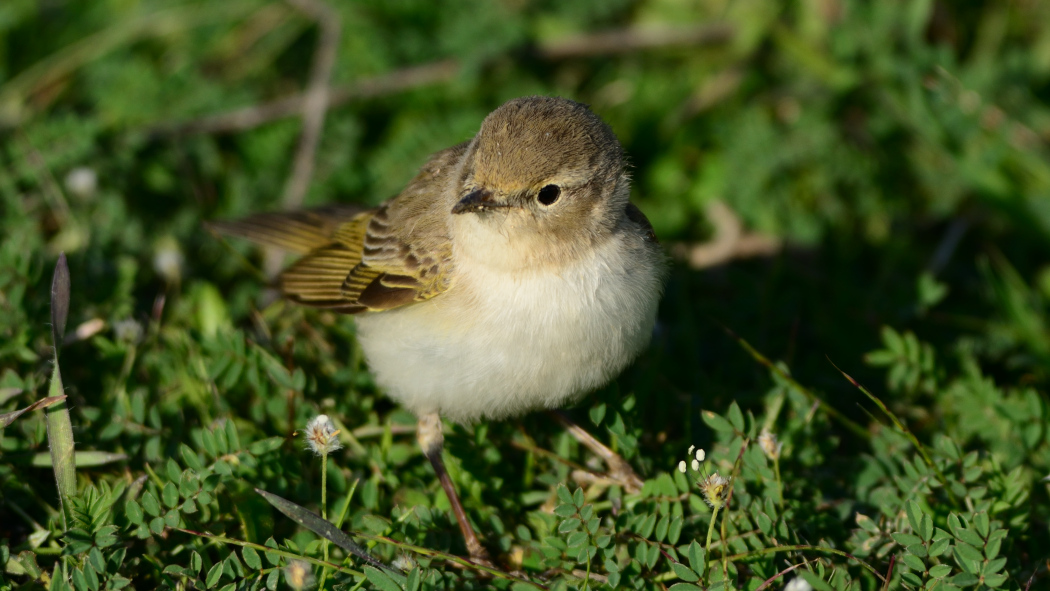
(769, 444)
(321, 436)
(297, 574)
(714, 486)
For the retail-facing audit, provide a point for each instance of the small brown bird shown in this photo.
(511, 274)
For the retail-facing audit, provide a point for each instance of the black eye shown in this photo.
(549, 194)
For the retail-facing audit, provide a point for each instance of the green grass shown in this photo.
(896, 343)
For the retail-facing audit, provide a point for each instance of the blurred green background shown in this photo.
(888, 164)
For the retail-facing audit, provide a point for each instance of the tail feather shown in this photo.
(295, 231)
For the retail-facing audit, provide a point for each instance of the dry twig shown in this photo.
(315, 99)
(606, 42)
(729, 242)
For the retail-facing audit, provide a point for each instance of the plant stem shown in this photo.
(707, 543)
(780, 486)
(324, 514)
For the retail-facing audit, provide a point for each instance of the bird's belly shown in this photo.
(517, 345)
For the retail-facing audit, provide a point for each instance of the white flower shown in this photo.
(321, 436)
(715, 490)
(691, 448)
(404, 563)
(696, 466)
(82, 182)
(168, 259)
(681, 466)
(769, 444)
(128, 330)
(700, 455)
(298, 575)
(798, 584)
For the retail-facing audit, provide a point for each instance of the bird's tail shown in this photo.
(294, 231)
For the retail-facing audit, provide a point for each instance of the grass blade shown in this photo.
(855, 428)
(9, 417)
(904, 431)
(59, 426)
(323, 528)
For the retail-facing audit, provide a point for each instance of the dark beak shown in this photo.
(477, 200)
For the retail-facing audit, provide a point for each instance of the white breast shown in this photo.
(499, 344)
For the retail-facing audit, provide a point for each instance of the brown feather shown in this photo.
(357, 261)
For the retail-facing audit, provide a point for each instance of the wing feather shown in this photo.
(392, 256)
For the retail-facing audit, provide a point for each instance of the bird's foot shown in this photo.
(432, 440)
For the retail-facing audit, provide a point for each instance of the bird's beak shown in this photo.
(477, 200)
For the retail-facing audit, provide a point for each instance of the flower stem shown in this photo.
(780, 486)
(707, 544)
(324, 514)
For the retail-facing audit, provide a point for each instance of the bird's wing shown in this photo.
(394, 255)
(293, 231)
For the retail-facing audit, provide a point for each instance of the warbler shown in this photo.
(511, 274)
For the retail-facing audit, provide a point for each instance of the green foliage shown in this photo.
(895, 153)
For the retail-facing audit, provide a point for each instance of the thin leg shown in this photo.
(428, 432)
(619, 469)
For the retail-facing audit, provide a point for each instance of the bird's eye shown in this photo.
(549, 194)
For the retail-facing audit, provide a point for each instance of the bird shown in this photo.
(511, 274)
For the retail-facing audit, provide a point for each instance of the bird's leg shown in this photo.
(619, 469)
(431, 439)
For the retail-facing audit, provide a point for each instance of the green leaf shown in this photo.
(577, 497)
(190, 457)
(170, 495)
(995, 580)
(576, 539)
(736, 418)
(925, 530)
(968, 557)
(171, 518)
(569, 525)
(251, 558)
(980, 522)
(79, 581)
(684, 572)
(913, 562)
(674, 532)
(565, 510)
(214, 574)
(939, 546)
(380, 579)
(991, 549)
(965, 580)
(716, 422)
(906, 539)
(914, 514)
(564, 495)
(78, 541)
(272, 557)
(765, 524)
(106, 537)
(652, 556)
(697, 558)
(645, 528)
(265, 446)
(661, 528)
(940, 571)
(597, 413)
(150, 504)
(866, 523)
(970, 537)
(133, 511)
(685, 587)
